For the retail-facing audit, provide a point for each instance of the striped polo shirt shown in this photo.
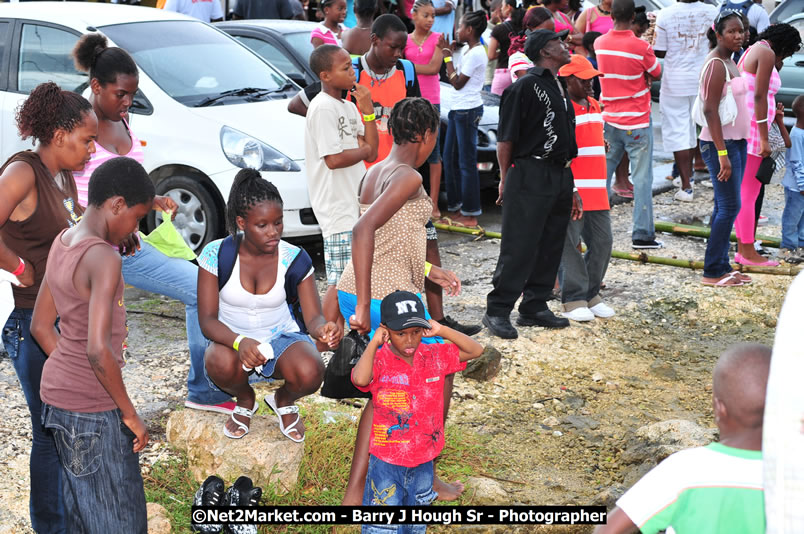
(589, 167)
(624, 59)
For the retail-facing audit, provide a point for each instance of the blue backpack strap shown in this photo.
(294, 275)
(358, 66)
(227, 256)
(410, 72)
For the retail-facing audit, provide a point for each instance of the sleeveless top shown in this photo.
(31, 239)
(751, 82)
(68, 381)
(400, 246)
(601, 23)
(562, 22)
(740, 127)
(421, 55)
(101, 156)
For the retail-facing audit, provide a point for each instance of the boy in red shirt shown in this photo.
(406, 379)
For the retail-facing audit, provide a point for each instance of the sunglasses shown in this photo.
(727, 13)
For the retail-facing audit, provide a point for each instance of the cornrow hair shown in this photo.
(248, 190)
(93, 55)
(325, 4)
(783, 38)
(411, 118)
(418, 4)
(48, 109)
(476, 20)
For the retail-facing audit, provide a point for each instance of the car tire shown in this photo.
(197, 218)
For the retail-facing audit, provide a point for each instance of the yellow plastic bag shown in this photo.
(167, 240)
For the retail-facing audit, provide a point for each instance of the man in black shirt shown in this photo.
(536, 142)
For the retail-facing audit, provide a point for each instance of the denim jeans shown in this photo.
(638, 144)
(152, 271)
(582, 274)
(460, 161)
(793, 220)
(726, 206)
(394, 485)
(46, 504)
(100, 473)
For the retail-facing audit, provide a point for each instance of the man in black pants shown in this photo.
(536, 142)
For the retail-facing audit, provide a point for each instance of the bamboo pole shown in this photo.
(641, 257)
(704, 231)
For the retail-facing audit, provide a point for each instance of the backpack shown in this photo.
(407, 68)
(740, 7)
(297, 270)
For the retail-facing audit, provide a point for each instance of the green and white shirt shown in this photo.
(712, 489)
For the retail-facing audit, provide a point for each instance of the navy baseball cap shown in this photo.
(401, 310)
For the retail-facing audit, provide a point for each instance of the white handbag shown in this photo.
(727, 110)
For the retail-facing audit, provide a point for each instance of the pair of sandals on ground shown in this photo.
(290, 431)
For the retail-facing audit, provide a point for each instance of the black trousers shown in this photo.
(537, 201)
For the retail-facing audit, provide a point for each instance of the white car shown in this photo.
(207, 106)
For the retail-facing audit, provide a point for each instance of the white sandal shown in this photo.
(243, 412)
(270, 400)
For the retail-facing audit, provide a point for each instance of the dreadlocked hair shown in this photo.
(248, 190)
(48, 109)
(477, 21)
(783, 38)
(411, 118)
(93, 55)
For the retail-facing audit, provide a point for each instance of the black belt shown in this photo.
(560, 162)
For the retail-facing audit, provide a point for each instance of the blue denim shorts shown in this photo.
(395, 485)
(280, 344)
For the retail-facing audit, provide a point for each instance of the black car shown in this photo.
(286, 45)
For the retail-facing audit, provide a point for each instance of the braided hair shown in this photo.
(411, 118)
(48, 109)
(248, 190)
(477, 21)
(783, 38)
(93, 55)
(418, 4)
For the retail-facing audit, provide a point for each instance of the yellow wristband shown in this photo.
(447, 59)
(236, 344)
(427, 267)
(723, 152)
(369, 118)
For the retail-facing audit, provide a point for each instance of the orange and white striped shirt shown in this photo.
(624, 59)
(589, 167)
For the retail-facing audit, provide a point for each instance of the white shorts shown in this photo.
(678, 128)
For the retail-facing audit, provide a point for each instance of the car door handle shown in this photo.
(799, 63)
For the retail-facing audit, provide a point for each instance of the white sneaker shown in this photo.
(683, 196)
(579, 314)
(677, 181)
(602, 310)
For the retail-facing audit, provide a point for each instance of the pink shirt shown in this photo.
(101, 156)
(408, 424)
(742, 124)
(774, 85)
(326, 35)
(562, 22)
(421, 55)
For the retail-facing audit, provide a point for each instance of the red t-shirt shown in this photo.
(408, 424)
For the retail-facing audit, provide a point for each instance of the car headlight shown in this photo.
(492, 136)
(247, 152)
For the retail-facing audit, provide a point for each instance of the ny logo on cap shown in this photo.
(405, 306)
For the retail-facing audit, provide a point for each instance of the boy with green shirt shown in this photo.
(717, 488)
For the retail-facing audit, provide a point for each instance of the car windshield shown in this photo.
(195, 63)
(300, 42)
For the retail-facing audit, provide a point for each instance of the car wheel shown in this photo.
(197, 218)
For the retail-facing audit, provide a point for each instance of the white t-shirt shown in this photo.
(332, 127)
(206, 10)
(472, 62)
(758, 17)
(681, 31)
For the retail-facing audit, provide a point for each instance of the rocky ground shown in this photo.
(564, 410)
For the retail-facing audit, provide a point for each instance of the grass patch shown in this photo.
(323, 473)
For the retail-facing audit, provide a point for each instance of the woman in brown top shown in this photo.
(39, 200)
(388, 252)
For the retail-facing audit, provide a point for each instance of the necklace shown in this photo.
(603, 11)
(418, 44)
(380, 79)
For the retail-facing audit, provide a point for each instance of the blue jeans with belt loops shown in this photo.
(395, 485)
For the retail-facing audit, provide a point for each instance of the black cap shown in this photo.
(402, 309)
(538, 39)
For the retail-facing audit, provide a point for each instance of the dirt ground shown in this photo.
(565, 404)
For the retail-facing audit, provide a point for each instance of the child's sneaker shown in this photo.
(684, 195)
(242, 493)
(792, 257)
(209, 494)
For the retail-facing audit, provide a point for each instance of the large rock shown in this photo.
(485, 367)
(485, 491)
(264, 454)
(158, 522)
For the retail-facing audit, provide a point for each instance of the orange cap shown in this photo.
(579, 66)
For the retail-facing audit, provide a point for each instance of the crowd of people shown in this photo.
(575, 124)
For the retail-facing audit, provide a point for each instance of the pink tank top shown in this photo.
(421, 55)
(741, 126)
(751, 82)
(101, 156)
(601, 23)
(562, 22)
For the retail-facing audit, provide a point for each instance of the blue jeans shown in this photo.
(727, 205)
(46, 503)
(101, 482)
(793, 220)
(460, 161)
(394, 485)
(638, 144)
(152, 271)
